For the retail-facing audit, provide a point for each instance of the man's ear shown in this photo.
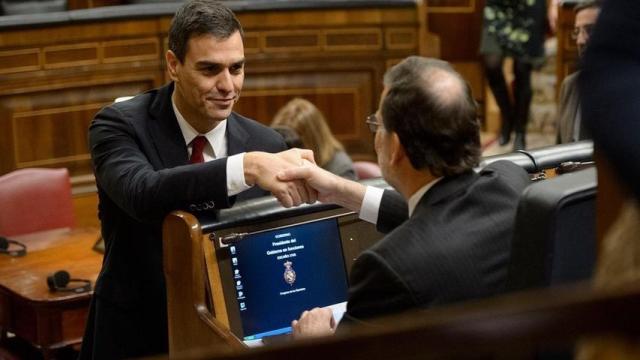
(172, 65)
(397, 150)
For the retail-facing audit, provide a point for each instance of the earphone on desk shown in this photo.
(60, 280)
(4, 247)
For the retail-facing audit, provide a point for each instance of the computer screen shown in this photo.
(279, 273)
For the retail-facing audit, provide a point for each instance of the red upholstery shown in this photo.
(35, 200)
(366, 169)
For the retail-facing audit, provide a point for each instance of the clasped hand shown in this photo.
(262, 168)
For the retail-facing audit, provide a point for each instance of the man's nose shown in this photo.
(582, 38)
(224, 82)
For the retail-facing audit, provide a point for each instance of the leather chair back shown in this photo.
(35, 199)
(554, 240)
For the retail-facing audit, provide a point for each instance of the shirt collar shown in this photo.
(216, 137)
(415, 198)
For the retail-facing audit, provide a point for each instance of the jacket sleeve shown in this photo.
(123, 170)
(393, 211)
(375, 290)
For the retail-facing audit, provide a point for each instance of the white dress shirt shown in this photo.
(373, 198)
(216, 148)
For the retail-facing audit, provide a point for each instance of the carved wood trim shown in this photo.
(343, 39)
(394, 38)
(59, 56)
(290, 41)
(213, 271)
(138, 44)
(6, 56)
(191, 325)
(358, 129)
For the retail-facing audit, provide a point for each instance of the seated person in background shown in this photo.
(308, 122)
(290, 137)
(455, 244)
(570, 125)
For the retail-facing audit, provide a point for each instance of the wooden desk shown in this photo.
(48, 320)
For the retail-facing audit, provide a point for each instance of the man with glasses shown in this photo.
(570, 126)
(449, 227)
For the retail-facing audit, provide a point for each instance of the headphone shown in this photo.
(4, 247)
(60, 279)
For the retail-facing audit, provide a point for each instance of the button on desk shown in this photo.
(48, 320)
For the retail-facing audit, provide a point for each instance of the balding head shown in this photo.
(430, 107)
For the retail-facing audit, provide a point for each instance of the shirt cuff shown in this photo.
(371, 204)
(235, 175)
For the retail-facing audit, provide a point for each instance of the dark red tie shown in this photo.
(197, 145)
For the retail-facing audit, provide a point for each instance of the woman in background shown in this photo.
(291, 138)
(308, 122)
(516, 29)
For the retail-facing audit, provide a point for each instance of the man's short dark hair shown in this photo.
(430, 106)
(587, 5)
(199, 17)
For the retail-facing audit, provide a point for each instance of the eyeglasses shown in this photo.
(372, 123)
(588, 30)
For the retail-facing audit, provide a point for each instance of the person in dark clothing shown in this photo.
(449, 228)
(513, 29)
(176, 147)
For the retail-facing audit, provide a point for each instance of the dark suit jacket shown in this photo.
(142, 173)
(568, 106)
(455, 246)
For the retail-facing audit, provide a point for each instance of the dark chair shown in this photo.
(554, 240)
(536, 160)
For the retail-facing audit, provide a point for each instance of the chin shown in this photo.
(219, 115)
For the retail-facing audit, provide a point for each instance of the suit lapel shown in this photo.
(237, 136)
(164, 130)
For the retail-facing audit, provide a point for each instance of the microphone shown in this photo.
(4, 247)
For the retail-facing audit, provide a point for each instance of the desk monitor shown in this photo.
(280, 273)
(274, 271)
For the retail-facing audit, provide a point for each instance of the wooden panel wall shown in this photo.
(334, 58)
(458, 24)
(54, 78)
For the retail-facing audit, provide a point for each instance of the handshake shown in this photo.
(293, 177)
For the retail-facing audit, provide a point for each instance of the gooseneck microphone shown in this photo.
(4, 247)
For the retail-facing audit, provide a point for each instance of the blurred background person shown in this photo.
(291, 138)
(516, 29)
(570, 125)
(307, 121)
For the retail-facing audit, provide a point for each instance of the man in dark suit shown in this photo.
(570, 125)
(455, 244)
(141, 151)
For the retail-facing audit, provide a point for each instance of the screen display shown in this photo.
(280, 273)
